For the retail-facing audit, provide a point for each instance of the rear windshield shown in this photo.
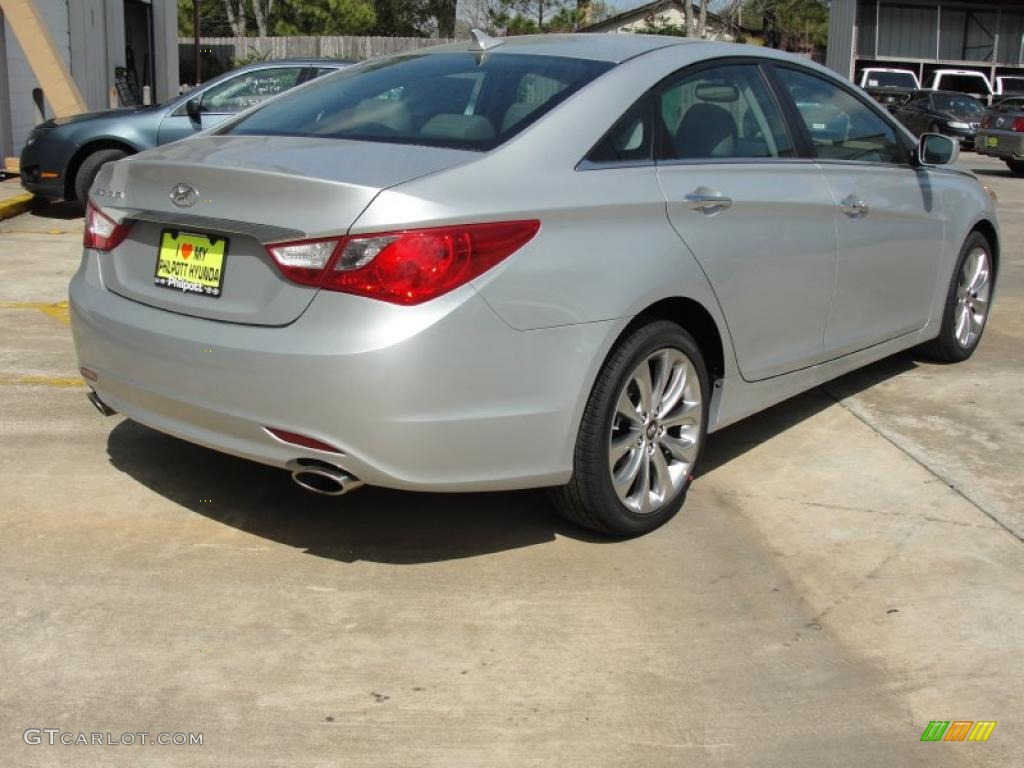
(456, 100)
(891, 80)
(1012, 84)
(964, 84)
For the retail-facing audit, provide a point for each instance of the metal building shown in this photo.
(104, 44)
(924, 36)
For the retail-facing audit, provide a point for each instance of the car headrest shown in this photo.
(706, 130)
(458, 127)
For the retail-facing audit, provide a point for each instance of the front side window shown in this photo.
(720, 113)
(841, 127)
(456, 100)
(249, 89)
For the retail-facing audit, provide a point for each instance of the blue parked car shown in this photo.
(62, 156)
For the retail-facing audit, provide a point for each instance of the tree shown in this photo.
(237, 18)
(524, 17)
(235, 11)
(795, 25)
(261, 10)
(323, 17)
(415, 18)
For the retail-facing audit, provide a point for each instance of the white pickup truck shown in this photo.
(1009, 85)
(880, 77)
(963, 81)
(889, 87)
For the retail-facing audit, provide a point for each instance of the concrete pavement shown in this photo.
(847, 568)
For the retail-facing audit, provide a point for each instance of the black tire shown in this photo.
(590, 500)
(1016, 167)
(87, 171)
(945, 347)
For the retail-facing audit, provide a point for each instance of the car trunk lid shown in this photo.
(244, 192)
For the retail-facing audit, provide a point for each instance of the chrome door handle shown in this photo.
(707, 201)
(854, 207)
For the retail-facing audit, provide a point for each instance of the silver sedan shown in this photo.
(543, 261)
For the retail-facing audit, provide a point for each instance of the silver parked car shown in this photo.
(542, 261)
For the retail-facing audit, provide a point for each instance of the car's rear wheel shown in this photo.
(87, 171)
(967, 303)
(641, 434)
(1016, 166)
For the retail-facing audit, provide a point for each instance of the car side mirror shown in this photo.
(936, 149)
(193, 110)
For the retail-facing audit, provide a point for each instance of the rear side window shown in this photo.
(456, 100)
(841, 126)
(719, 113)
(248, 89)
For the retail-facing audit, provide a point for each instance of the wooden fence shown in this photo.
(338, 47)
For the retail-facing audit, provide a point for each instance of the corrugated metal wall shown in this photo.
(930, 31)
(907, 31)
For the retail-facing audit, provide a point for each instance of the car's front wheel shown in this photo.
(90, 167)
(1016, 166)
(968, 300)
(641, 435)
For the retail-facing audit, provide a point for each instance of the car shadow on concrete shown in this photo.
(62, 209)
(395, 527)
(1007, 174)
(735, 440)
(369, 524)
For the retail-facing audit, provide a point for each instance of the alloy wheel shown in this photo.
(655, 434)
(973, 291)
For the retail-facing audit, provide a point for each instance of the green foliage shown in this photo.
(414, 18)
(525, 17)
(399, 18)
(323, 17)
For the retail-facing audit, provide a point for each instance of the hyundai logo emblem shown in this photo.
(184, 195)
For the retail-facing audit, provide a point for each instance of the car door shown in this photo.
(912, 113)
(224, 98)
(757, 218)
(889, 225)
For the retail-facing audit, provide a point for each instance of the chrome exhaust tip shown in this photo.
(100, 406)
(323, 478)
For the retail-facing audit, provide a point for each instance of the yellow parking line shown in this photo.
(60, 382)
(58, 310)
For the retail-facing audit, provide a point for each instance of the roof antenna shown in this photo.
(484, 42)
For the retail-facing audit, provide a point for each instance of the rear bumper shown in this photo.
(442, 397)
(966, 136)
(1010, 146)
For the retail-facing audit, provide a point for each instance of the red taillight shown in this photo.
(408, 267)
(102, 232)
(1018, 125)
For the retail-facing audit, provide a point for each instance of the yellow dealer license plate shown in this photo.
(993, 141)
(191, 263)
